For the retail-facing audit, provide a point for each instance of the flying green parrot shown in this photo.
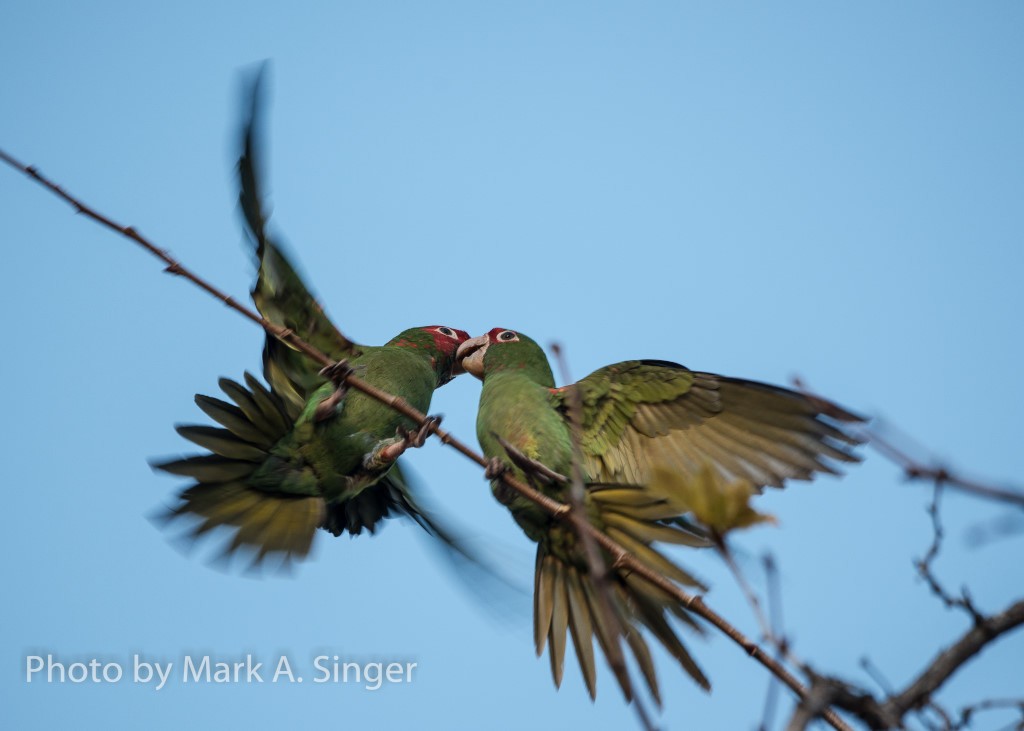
(305, 453)
(636, 418)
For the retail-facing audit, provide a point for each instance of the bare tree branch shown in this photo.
(622, 558)
(918, 694)
(814, 705)
(947, 662)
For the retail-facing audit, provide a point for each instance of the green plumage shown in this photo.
(277, 473)
(300, 455)
(638, 420)
(332, 452)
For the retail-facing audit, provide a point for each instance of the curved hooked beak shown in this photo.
(470, 355)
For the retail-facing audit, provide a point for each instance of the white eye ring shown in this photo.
(446, 331)
(507, 336)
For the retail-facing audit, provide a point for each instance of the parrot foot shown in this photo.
(495, 469)
(406, 439)
(531, 466)
(419, 437)
(327, 408)
(336, 373)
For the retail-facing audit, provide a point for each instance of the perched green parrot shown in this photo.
(635, 418)
(305, 454)
(279, 470)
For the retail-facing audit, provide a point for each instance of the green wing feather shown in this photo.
(280, 294)
(640, 414)
(261, 522)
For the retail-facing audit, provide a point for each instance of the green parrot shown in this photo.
(636, 418)
(305, 454)
(278, 470)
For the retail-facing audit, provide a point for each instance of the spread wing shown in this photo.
(642, 413)
(279, 293)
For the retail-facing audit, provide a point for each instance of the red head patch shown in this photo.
(502, 335)
(447, 339)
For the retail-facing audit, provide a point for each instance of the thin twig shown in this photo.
(915, 470)
(620, 556)
(968, 712)
(924, 566)
(595, 561)
(776, 625)
(876, 675)
(748, 591)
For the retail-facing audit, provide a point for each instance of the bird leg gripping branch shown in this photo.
(336, 373)
(623, 558)
(410, 438)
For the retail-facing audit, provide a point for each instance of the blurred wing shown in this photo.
(642, 413)
(279, 293)
(395, 495)
(401, 488)
(280, 523)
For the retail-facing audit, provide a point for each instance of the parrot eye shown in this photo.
(507, 336)
(447, 331)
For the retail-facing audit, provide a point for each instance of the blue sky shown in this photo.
(822, 189)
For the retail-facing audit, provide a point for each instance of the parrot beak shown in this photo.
(470, 355)
(457, 369)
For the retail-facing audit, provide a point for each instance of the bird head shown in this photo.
(441, 343)
(502, 349)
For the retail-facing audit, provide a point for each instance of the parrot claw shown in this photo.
(419, 437)
(337, 372)
(328, 407)
(531, 466)
(495, 469)
(406, 438)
